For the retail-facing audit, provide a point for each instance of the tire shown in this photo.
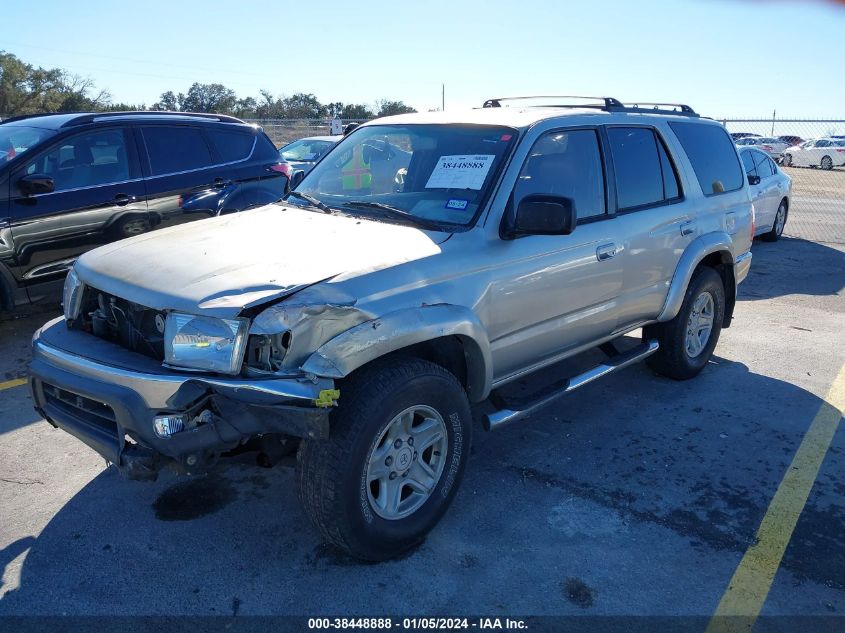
(780, 222)
(826, 163)
(337, 477)
(786, 160)
(673, 359)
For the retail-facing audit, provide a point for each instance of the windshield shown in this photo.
(305, 150)
(425, 174)
(16, 139)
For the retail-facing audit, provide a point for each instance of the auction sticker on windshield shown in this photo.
(460, 172)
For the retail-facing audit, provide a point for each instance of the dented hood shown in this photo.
(222, 265)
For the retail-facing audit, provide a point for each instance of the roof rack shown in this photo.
(22, 117)
(93, 116)
(608, 104)
(605, 102)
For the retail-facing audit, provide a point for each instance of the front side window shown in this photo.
(175, 149)
(17, 139)
(644, 173)
(425, 174)
(748, 163)
(565, 164)
(712, 154)
(84, 160)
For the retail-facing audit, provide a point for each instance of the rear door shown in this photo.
(655, 219)
(98, 197)
(181, 179)
(768, 191)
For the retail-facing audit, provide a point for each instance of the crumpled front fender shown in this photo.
(394, 331)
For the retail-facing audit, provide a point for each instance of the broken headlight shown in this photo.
(72, 295)
(202, 342)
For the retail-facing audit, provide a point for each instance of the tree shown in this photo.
(245, 108)
(302, 106)
(387, 108)
(356, 111)
(25, 89)
(167, 101)
(208, 98)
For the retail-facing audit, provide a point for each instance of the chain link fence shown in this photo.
(812, 153)
(283, 131)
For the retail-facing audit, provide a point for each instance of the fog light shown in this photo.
(167, 425)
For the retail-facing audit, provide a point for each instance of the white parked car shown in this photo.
(826, 153)
(771, 192)
(774, 147)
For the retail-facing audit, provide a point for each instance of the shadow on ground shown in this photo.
(642, 497)
(793, 266)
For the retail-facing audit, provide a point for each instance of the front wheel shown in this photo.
(397, 451)
(827, 163)
(688, 340)
(786, 161)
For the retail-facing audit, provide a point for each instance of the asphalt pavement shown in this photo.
(634, 495)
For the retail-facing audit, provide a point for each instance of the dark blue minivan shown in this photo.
(72, 182)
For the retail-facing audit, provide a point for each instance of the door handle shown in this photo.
(123, 199)
(687, 228)
(606, 251)
(219, 183)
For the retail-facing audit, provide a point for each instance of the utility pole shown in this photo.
(442, 97)
(774, 112)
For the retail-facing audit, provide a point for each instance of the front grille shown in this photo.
(135, 327)
(95, 413)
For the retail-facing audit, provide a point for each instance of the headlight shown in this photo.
(72, 295)
(201, 342)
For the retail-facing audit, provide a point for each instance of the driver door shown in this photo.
(97, 192)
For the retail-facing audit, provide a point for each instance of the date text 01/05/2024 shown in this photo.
(423, 623)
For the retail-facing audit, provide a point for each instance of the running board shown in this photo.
(505, 416)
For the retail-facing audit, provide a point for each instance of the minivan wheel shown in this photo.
(778, 224)
(688, 340)
(397, 450)
(827, 163)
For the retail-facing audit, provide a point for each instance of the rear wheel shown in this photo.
(827, 163)
(688, 340)
(786, 161)
(397, 451)
(778, 224)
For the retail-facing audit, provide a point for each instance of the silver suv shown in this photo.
(424, 262)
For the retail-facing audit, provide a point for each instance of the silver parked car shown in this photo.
(304, 153)
(774, 147)
(365, 313)
(771, 192)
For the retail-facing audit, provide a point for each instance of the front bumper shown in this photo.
(109, 403)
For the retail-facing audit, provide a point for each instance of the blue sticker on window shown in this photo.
(457, 203)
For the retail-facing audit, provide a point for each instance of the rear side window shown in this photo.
(712, 154)
(176, 149)
(231, 145)
(764, 166)
(264, 148)
(565, 164)
(644, 173)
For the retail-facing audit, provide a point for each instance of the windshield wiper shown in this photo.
(393, 212)
(310, 200)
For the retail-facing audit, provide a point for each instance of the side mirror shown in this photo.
(296, 178)
(540, 214)
(33, 184)
(753, 180)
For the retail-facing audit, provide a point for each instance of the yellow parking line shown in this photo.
(17, 382)
(747, 590)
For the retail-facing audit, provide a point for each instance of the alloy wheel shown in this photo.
(699, 325)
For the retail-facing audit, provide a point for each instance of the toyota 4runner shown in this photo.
(425, 261)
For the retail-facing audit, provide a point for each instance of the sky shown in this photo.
(725, 58)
